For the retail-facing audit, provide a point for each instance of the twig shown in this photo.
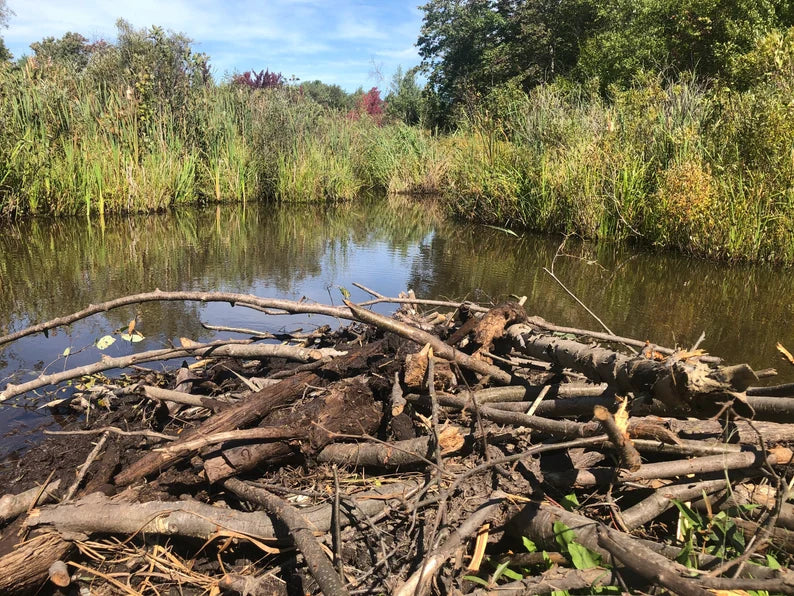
(150, 434)
(84, 468)
(417, 583)
(422, 338)
(267, 433)
(246, 300)
(629, 456)
(336, 526)
(431, 387)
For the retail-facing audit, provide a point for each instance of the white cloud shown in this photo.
(333, 38)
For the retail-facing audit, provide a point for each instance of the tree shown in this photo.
(704, 36)
(330, 96)
(264, 79)
(369, 103)
(5, 53)
(471, 46)
(72, 49)
(5, 15)
(404, 101)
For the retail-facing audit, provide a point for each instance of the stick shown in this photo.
(13, 505)
(629, 456)
(84, 468)
(214, 349)
(299, 530)
(422, 337)
(648, 568)
(246, 300)
(417, 583)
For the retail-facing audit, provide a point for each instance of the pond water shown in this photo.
(51, 268)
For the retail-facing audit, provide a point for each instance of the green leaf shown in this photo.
(569, 502)
(67, 351)
(685, 555)
(500, 569)
(563, 535)
(771, 562)
(509, 573)
(477, 580)
(582, 557)
(529, 545)
(105, 342)
(695, 519)
(344, 292)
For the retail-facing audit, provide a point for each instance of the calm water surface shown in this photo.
(52, 268)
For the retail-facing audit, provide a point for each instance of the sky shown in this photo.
(350, 43)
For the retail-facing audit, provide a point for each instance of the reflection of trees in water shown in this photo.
(48, 268)
(658, 296)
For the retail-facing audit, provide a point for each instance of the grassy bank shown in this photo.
(705, 171)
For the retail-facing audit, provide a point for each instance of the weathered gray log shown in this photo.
(13, 505)
(98, 514)
(678, 383)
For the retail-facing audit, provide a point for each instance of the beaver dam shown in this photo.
(449, 448)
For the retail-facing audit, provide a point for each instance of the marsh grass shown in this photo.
(677, 165)
(707, 172)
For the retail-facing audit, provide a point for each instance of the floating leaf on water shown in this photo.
(345, 292)
(67, 351)
(134, 337)
(105, 342)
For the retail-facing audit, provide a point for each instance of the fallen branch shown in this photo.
(298, 529)
(11, 506)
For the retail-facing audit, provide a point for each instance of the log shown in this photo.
(689, 384)
(26, 568)
(348, 407)
(250, 410)
(243, 414)
(13, 505)
(98, 514)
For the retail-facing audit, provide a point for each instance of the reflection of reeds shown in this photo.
(50, 266)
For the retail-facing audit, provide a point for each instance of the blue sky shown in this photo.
(337, 41)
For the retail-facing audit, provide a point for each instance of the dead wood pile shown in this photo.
(450, 448)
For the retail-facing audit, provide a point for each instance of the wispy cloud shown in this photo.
(305, 38)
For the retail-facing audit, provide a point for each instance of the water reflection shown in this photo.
(49, 268)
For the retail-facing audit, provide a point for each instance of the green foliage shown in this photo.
(717, 535)
(404, 101)
(5, 53)
(705, 36)
(329, 96)
(72, 49)
(469, 47)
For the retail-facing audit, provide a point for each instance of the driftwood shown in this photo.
(12, 506)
